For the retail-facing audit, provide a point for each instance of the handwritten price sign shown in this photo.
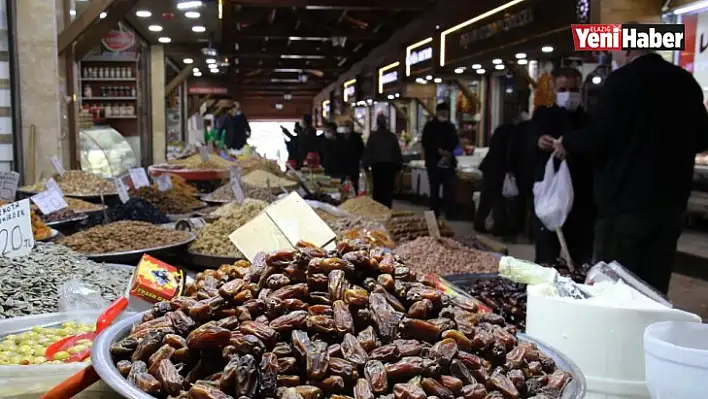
(16, 237)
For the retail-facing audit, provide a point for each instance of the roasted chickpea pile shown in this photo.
(28, 348)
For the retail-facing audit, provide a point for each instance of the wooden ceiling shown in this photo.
(275, 45)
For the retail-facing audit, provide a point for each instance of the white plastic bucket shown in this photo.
(605, 342)
(676, 360)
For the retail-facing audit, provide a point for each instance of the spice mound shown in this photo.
(366, 208)
(122, 236)
(225, 193)
(308, 323)
(406, 227)
(139, 210)
(30, 284)
(78, 205)
(262, 179)
(250, 164)
(446, 256)
(171, 201)
(341, 225)
(195, 162)
(214, 238)
(179, 184)
(77, 182)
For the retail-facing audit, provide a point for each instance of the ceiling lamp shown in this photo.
(522, 62)
(164, 40)
(192, 14)
(103, 15)
(437, 80)
(596, 80)
(481, 71)
(143, 13)
(497, 61)
(188, 61)
(198, 29)
(210, 61)
(520, 56)
(195, 70)
(214, 70)
(155, 28)
(499, 66)
(391, 96)
(197, 74)
(397, 95)
(547, 49)
(429, 77)
(187, 5)
(421, 81)
(459, 70)
(476, 66)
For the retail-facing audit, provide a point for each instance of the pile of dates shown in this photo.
(354, 322)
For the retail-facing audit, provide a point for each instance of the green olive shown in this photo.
(83, 341)
(74, 349)
(15, 359)
(10, 337)
(39, 360)
(68, 324)
(38, 350)
(24, 349)
(62, 355)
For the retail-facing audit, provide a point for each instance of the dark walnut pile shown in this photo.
(309, 324)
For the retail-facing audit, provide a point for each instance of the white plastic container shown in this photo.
(676, 360)
(31, 381)
(605, 342)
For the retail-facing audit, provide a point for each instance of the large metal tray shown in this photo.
(94, 198)
(207, 198)
(53, 237)
(106, 369)
(67, 223)
(130, 257)
(199, 261)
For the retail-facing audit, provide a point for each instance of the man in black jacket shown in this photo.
(550, 123)
(383, 154)
(495, 165)
(439, 141)
(350, 153)
(235, 128)
(308, 141)
(651, 122)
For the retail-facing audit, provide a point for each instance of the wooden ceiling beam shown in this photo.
(93, 35)
(178, 80)
(82, 22)
(341, 4)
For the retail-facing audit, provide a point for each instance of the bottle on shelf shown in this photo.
(101, 73)
(108, 110)
(112, 73)
(129, 71)
(131, 110)
(133, 92)
(87, 91)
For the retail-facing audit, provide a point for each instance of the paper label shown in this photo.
(122, 190)
(156, 281)
(235, 181)
(56, 163)
(432, 222)
(16, 237)
(49, 201)
(52, 184)
(204, 153)
(164, 182)
(139, 177)
(8, 185)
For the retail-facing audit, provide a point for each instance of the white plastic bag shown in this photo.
(553, 196)
(510, 189)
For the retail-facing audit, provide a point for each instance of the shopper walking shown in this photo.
(352, 149)
(308, 142)
(383, 155)
(439, 141)
(651, 122)
(234, 128)
(550, 123)
(331, 151)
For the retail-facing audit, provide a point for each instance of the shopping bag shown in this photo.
(510, 189)
(553, 196)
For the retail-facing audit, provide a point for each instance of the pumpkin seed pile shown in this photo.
(30, 284)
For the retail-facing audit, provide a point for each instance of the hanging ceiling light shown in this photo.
(143, 13)
(497, 61)
(164, 40)
(188, 61)
(192, 14)
(476, 66)
(481, 71)
(499, 67)
(547, 49)
(198, 29)
(155, 28)
(187, 5)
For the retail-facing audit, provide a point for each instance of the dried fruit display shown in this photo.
(446, 256)
(76, 182)
(354, 322)
(122, 237)
(366, 208)
(171, 201)
(404, 226)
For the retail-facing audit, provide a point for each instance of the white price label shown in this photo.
(57, 165)
(164, 182)
(49, 201)
(122, 190)
(8, 185)
(432, 222)
(139, 177)
(16, 237)
(204, 153)
(238, 190)
(52, 184)
(235, 172)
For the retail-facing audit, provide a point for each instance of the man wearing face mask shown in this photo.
(235, 128)
(650, 124)
(549, 124)
(439, 141)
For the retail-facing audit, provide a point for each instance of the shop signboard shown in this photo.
(515, 21)
(349, 91)
(325, 109)
(200, 90)
(388, 78)
(120, 40)
(420, 57)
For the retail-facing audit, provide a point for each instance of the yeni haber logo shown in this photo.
(605, 37)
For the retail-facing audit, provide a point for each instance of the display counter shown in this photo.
(106, 152)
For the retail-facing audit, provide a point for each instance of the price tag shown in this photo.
(52, 184)
(49, 201)
(139, 177)
(8, 185)
(122, 190)
(235, 172)
(204, 153)
(238, 190)
(432, 222)
(57, 165)
(16, 237)
(164, 182)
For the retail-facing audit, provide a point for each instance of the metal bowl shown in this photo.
(103, 362)
(132, 256)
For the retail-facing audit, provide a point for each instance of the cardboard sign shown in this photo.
(8, 185)
(432, 222)
(204, 153)
(122, 190)
(139, 177)
(49, 201)
(164, 182)
(56, 163)
(156, 281)
(52, 184)
(16, 238)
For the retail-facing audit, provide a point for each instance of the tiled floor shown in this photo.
(687, 293)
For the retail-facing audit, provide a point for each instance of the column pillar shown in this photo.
(38, 64)
(157, 89)
(621, 11)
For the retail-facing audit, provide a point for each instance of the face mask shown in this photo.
(568, 100)
(343, 129)
(442, 118)
(238, 112)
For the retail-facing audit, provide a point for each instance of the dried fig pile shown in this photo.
(355, 322)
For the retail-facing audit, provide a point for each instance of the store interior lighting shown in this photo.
(520, 56)
(187, 5)
(429, 77)
(188, 61)
(198, 29)
(522, 61)
(155, 28)
(497, 61)
(197, 74)
(547, 49)
(700, 5)
(421, 81)
(103, 15)
(143, 13)
(210, 61)
(596, 80)
(192, 14)
(481, 71)
(459, 70)
(214, 71)
(164, 40)
(391, 96)
(499, 67)
(476, 66)
(437, 80)
(397, 95)
(195, 70)
(369, 101)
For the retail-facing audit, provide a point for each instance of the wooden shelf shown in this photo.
(109, 98)
(108, 79)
